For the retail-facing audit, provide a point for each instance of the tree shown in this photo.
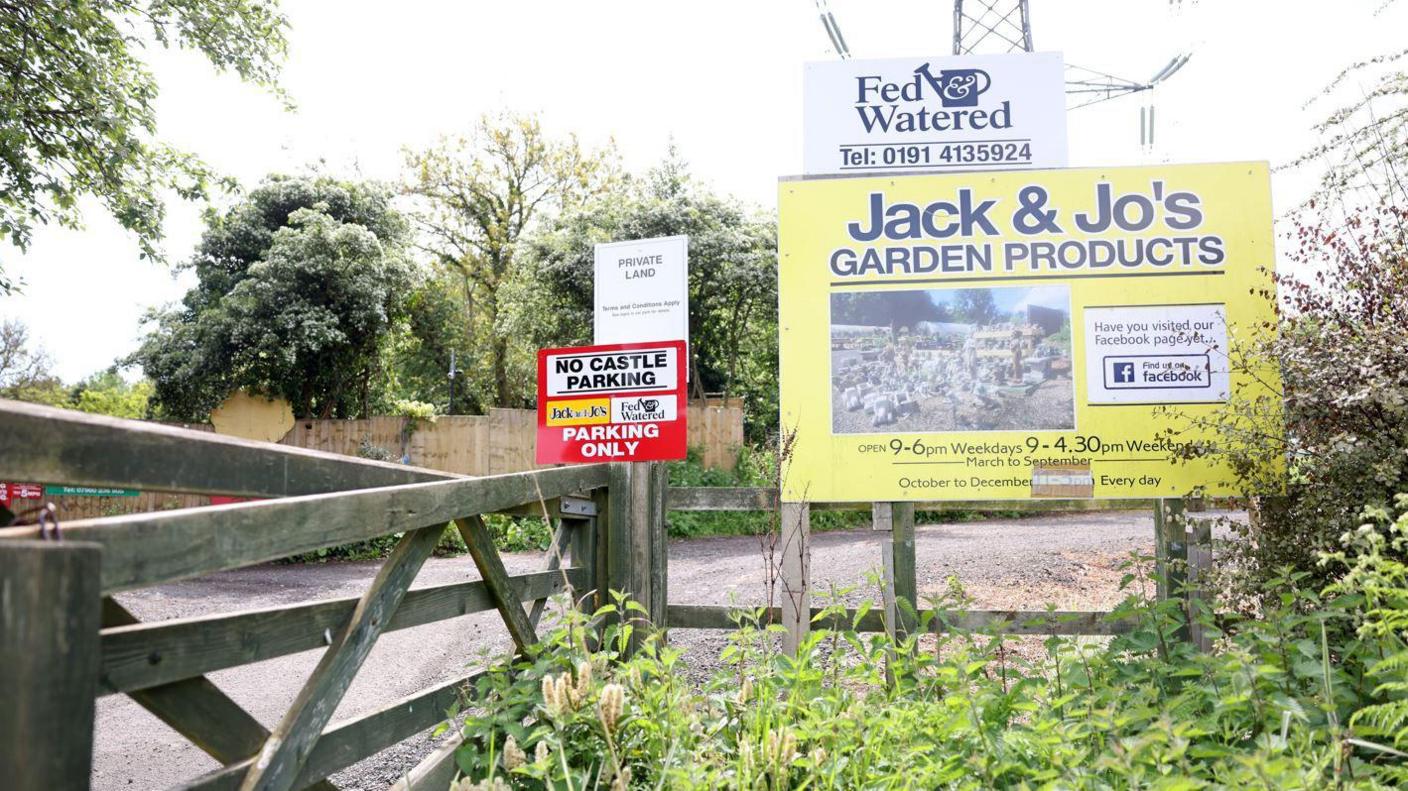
(893, 309)
(1323, 419)
(419, 362)
(301, 288)
(25, 373)
(732, 280)
(975, 306)
(1363, 139)
(107, 393)
(25, 376)
(476, 197)
(76, 105)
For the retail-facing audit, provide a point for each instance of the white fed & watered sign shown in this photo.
(963, 113)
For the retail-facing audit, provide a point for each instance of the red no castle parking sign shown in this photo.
(618, 402)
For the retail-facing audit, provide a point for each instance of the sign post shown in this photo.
(940, 115)
(614, 402)
(1017, 335)
(641, 291)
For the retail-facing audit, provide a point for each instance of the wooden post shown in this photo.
(659, 547)
(50, 615)
(600, 546)
(882, 517)
(618, 528)
(1171, 553)
(794, 573)
(900, 559)
(896, 523)
(635, 556)
(1199, 566)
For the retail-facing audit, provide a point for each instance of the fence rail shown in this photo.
(40, 443)
(1063, 622)
(144, 655)
(899, 590)
(749, 498)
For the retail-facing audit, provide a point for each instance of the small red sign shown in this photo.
(20, 491)
(617, 402)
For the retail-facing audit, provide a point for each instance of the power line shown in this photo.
(833, 31)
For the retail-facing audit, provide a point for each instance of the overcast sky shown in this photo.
(722, 78)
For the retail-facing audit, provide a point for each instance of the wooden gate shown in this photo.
(64, 641)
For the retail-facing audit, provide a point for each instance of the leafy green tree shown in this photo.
(976, 306)
(25, 375)
(893, 309)
(419, 360)
(1320, 430)
(476, 197)
(76, 105)
(107, 393)
(732, 280)
(301, 287)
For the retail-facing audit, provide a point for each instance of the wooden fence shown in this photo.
(64, 641)
(499, 442)
(791, 573)
(493, 444)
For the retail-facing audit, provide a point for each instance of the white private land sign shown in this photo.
(940, 115)
(642, 291)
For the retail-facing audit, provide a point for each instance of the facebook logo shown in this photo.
(1156, 372)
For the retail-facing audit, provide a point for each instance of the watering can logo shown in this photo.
(957, 87)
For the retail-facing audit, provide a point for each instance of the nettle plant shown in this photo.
(1312, 695)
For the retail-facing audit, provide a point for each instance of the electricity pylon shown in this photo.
(1005, 26)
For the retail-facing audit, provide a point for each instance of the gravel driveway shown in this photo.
(1069, 561)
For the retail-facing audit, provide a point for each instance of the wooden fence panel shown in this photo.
(513, 438)
(453, 443)
(492, 444)
(717, 431)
